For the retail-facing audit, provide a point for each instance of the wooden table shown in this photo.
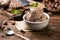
(51, 32)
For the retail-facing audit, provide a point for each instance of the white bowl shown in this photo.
(37, 25)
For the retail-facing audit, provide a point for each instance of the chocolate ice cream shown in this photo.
(36, 15)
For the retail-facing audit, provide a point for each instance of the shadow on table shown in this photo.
(45, 32)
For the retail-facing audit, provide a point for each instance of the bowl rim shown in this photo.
(36, 22)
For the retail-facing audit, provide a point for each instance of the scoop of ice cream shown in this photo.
(37, 13)
(4, 2)
(34, 14)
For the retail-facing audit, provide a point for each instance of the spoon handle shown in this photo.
(22, 37)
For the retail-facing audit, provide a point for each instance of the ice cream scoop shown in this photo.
(2, 2)
(34, 14)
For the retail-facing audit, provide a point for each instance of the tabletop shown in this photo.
(51, 32)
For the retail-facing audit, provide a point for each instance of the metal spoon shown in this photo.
(11, 32)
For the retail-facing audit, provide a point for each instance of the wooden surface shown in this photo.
(51, 32)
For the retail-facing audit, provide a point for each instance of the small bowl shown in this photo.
(37, 25)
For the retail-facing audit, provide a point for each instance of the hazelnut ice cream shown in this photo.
(36, 15)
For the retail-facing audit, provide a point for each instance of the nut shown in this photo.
(52, 5)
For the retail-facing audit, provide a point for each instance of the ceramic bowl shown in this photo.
(37, 25)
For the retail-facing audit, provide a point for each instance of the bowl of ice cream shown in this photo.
(36, 22)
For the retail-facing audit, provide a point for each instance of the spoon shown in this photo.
(11, 32)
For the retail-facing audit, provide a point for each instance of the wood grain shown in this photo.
(51, 32)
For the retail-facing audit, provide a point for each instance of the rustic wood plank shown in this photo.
(51, 32)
